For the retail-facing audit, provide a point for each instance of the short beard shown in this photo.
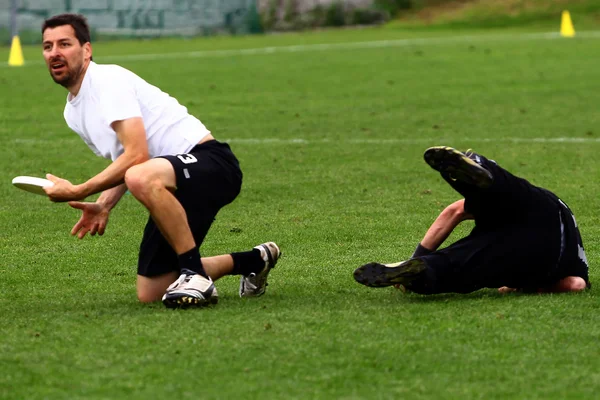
(68, 79)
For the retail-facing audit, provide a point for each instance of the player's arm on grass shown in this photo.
(442, 227)
(132, 135)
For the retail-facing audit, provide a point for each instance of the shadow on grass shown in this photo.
(478, 295)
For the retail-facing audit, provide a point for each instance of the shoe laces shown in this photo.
(198, 282)
(249, 283)
(182, 279)
(253, 281)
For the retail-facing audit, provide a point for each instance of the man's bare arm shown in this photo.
(132, 135)
(110, 197)
(444, 224)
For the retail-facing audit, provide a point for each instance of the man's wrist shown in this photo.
(106, 203)
(82, 191)
(103, 202)
(110, 197)
(421, 251)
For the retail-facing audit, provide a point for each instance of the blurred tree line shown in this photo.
(283, 15)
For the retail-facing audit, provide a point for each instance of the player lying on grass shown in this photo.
(525, 237)
(167, 159)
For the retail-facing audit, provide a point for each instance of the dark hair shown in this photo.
(77, 21)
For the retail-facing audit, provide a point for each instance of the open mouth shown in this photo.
(56, 66)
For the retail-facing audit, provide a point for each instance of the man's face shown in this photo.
(63, 54)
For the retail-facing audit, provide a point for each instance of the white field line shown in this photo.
(347, 45)
(376, 142)
(331, 46)
(409, 141)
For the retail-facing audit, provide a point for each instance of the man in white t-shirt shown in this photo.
(167, 159)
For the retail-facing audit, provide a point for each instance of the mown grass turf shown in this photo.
(331, 146)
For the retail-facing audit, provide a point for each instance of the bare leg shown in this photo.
(218, 266)
(151, 184)
(568, 284)
(152, 289)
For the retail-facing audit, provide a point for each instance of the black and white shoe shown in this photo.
(459, 166)
(382, 275)
(255, 284)
(190, 290)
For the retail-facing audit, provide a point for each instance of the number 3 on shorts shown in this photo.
(187, 158)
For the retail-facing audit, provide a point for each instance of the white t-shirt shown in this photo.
(111, 93)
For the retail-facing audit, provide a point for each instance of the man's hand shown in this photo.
(63, 190)
(93, 219)
(506, 289)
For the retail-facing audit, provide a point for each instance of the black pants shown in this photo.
(523, 238)
(208, 178)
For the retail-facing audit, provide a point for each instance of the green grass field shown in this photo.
(330, 139)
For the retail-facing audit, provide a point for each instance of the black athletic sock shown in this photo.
(191, 261)
(247, 262)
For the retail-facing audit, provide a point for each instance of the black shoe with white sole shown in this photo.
(458, 166)
(382, 275)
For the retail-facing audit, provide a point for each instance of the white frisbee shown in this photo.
(32, 184)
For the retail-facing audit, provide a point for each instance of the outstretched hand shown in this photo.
(93, 219)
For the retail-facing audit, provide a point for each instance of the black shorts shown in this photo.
(208, 178)
(523, 254)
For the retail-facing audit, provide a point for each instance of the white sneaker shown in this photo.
(190, 290)
(255, 284)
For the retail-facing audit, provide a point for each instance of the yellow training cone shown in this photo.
(15, 58)
(566, 25)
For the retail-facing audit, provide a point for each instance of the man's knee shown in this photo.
(147, 296)
(150, 289)
(573, 284)
(568, 284)
(138, 179)
(143, 179)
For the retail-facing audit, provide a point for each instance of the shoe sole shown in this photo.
(189, 301)
(272, 260)
(458, 166)
(380, 275)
